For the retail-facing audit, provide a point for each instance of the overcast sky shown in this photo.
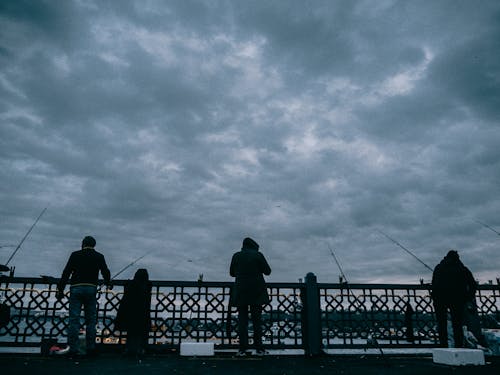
(181, 127)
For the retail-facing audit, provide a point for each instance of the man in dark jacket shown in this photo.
(83, 267)
(452, 287)
(248, 267)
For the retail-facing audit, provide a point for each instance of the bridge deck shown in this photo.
(111, 363)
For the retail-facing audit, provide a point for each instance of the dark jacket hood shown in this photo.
(451, 259)
(249, 244)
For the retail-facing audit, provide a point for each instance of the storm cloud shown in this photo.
(181, 127)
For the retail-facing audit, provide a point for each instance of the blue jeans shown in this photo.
(82, 295)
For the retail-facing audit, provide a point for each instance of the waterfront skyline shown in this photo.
(179, 128)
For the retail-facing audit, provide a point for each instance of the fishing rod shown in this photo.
(371, 341)
(338, 264)
(405, 249)
(346, 282)
(130, 265)
(487, 226)
(25, 236)
(124, 269)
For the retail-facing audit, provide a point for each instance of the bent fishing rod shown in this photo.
(338, 264)
(25, 236)
(487, 226)
(130, 265)
(349, 292)
(371, 341)
(122, 270)
(405, 249)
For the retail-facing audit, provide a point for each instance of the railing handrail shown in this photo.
(189, 283)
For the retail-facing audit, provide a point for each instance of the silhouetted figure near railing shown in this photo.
(453, 286)
(410, 336)
(134, 312)
(248, 267)
(4, 307)
(83, 268)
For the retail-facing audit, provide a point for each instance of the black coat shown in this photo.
(135, 307)
(452, 282)
(248, 267)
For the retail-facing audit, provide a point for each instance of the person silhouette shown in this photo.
(134, 311)
(249, 292)
(83, 267)
(453, 286)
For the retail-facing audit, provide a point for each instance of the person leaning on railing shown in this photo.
(83, 268)
(134, 312)
(452, 287)
(248, 267)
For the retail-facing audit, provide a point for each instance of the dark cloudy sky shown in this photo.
(181, 127)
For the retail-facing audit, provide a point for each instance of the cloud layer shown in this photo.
(183, 127)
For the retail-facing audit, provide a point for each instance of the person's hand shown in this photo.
(60, 294)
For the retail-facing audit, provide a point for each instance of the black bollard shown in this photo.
(311, 317)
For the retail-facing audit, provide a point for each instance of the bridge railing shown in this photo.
(333, 315)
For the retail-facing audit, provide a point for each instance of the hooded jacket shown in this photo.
(135, 306)
(248, 267)
(452, 282)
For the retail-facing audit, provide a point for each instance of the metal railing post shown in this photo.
(311, 317)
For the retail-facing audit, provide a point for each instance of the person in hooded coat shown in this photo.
(453, 286)
(133, 313)
(249, 292)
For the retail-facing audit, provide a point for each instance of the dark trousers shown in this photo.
(457, 321)
(256, 313)
(82, 295)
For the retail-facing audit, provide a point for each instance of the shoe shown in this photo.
(260, 353)
(57, 350)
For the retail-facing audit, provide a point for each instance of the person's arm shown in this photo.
(435, 281)
(265, 269)
(232, 267)
(471, 284)
(68, 270)
(106, 274)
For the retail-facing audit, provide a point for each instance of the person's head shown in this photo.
(141, 275)
(248, 243)
(88, 242)
(452, 255)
